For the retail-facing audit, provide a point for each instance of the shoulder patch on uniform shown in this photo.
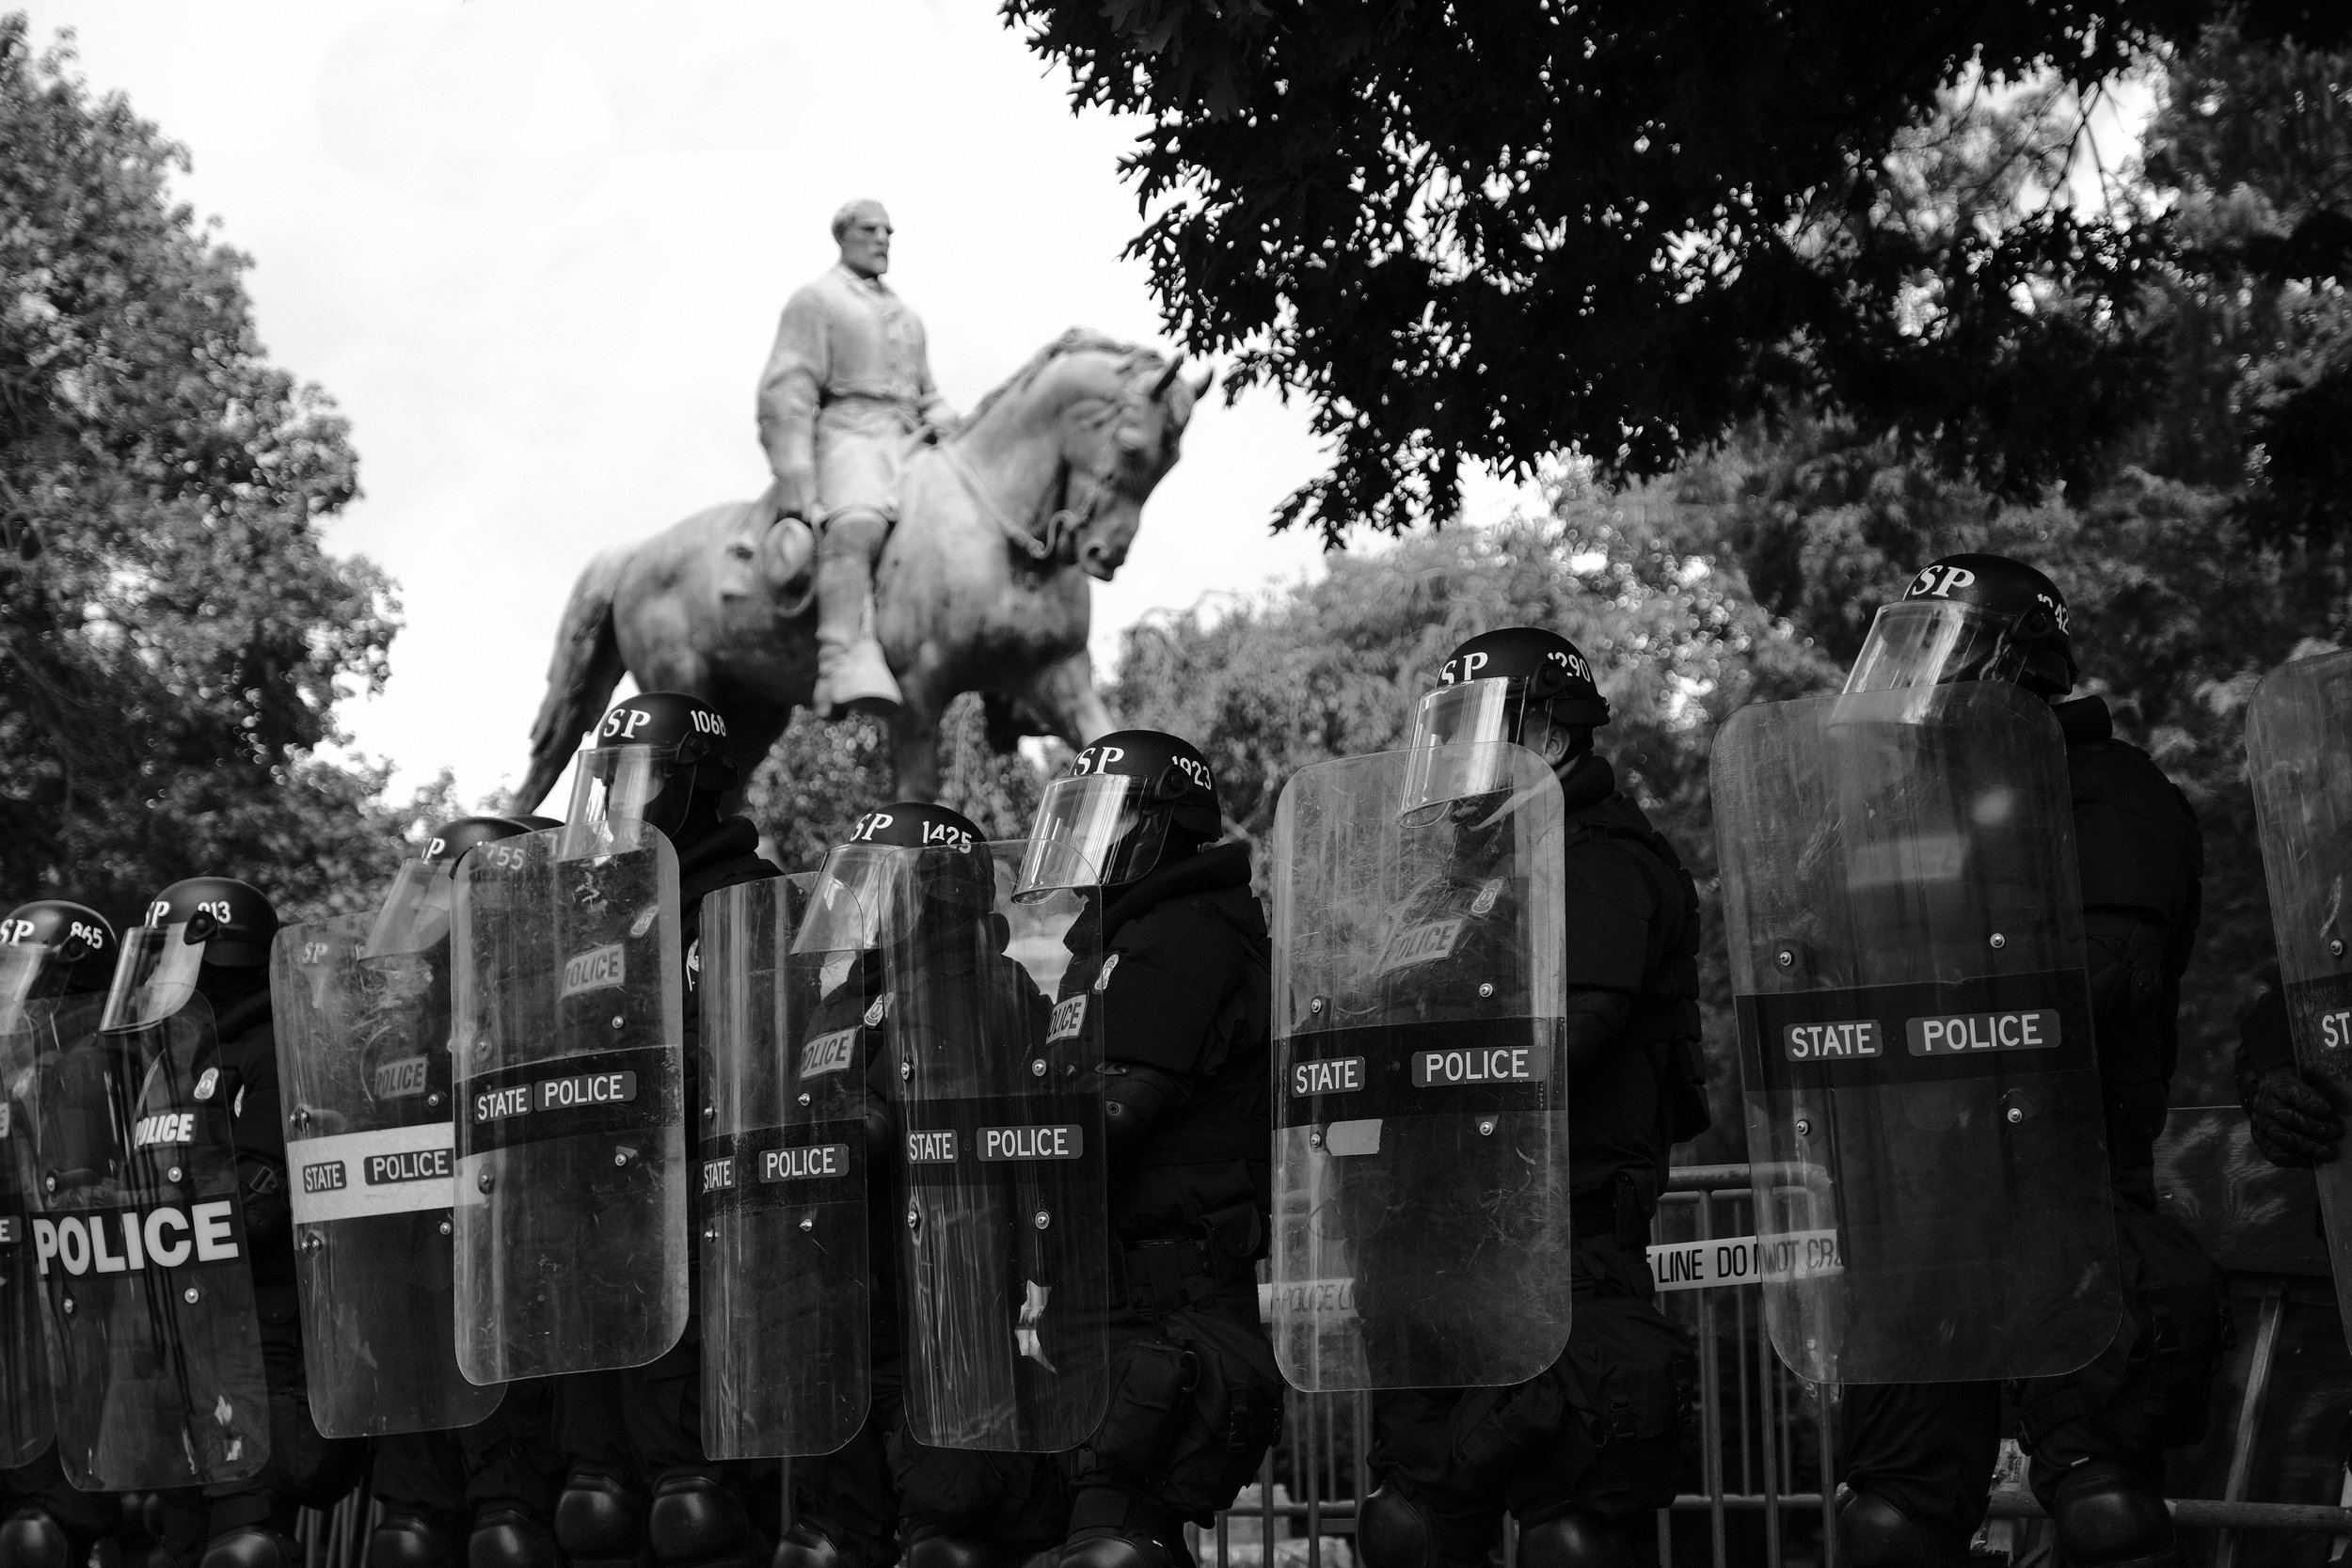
(208, 1084)
(643, 923)
(1485, 903)
(880, 1010)
(1102, 976)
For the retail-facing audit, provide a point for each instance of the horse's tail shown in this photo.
(581, 674)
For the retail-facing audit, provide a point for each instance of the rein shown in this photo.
(1058, 528)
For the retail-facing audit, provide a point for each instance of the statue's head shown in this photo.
(861, 229)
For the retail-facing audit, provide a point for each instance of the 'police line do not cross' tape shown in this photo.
(1745, 1260)
(1677, 1266)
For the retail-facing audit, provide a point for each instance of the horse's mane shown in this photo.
(1076, 340)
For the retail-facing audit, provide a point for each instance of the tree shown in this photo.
(823, 776)
(1493, 233)
(2253, 153)
(174, 633)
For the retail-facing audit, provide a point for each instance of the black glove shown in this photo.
(2293, 1122)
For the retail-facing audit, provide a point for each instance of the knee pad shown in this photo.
(599, 1523)
(805, 1547)
(1108, 1550)
(1394, 1531)
(407, 1540)
(2108, 1517)
(1577, 1540)
(696, 1522)
(1874, 1534)
(31, 1539)
(505, 1537)
(929, 1546)
(250, 1546)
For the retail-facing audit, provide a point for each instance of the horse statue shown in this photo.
(981, 587)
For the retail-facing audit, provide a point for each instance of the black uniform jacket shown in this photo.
(1632, 930)
(2141, 857)
(1185, 988)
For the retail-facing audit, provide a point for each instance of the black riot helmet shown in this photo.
(76, 942)
(1131, 801)
(1971, 618)
(656, 758)
(415, 914)
(48, 949)
(882, 861)
(1518, 685)
(202, 922)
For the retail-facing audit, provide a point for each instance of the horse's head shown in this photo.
(1115, 452)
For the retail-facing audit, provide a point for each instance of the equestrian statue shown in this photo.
(900, 557)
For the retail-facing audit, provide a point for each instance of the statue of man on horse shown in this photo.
(943, 555)
(847, 394)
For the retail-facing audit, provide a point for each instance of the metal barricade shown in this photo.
(1765, 1441)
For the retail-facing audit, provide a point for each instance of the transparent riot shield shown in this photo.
(784, 1176)
(1006, 1250)
(1924, 1121)
(570, 1218)
(26, 1042)
(1421, 1150)
(363, 1070)
(2299, 756)
(138, 1238)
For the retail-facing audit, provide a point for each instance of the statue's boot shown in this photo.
(853, 675)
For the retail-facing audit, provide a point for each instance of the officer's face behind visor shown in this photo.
(1920, 642)
(1100, 820)
(621, 783)
(415, 917)
(1459, 753)
(157, 973)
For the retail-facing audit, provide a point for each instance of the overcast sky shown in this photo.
(537, 248)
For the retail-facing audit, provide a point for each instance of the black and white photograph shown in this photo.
(1175, 784)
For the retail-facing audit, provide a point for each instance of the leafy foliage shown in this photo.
(173, 631)
(2254, 150)
(1494, 233)
(823, 776)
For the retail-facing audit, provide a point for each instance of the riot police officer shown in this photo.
(1167, 970)
(1583, 1452)
(491, 1486)
(845, 1503)
(55, 949)
(1920, 1457)
(637, 1477)
(210, 937)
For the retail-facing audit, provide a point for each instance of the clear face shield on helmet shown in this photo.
(156, 975)
(619, 782)
(1921, 643)
(415, 914)
(1461, 735)
(849, 905)
(25, 968)
(1102, 820)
